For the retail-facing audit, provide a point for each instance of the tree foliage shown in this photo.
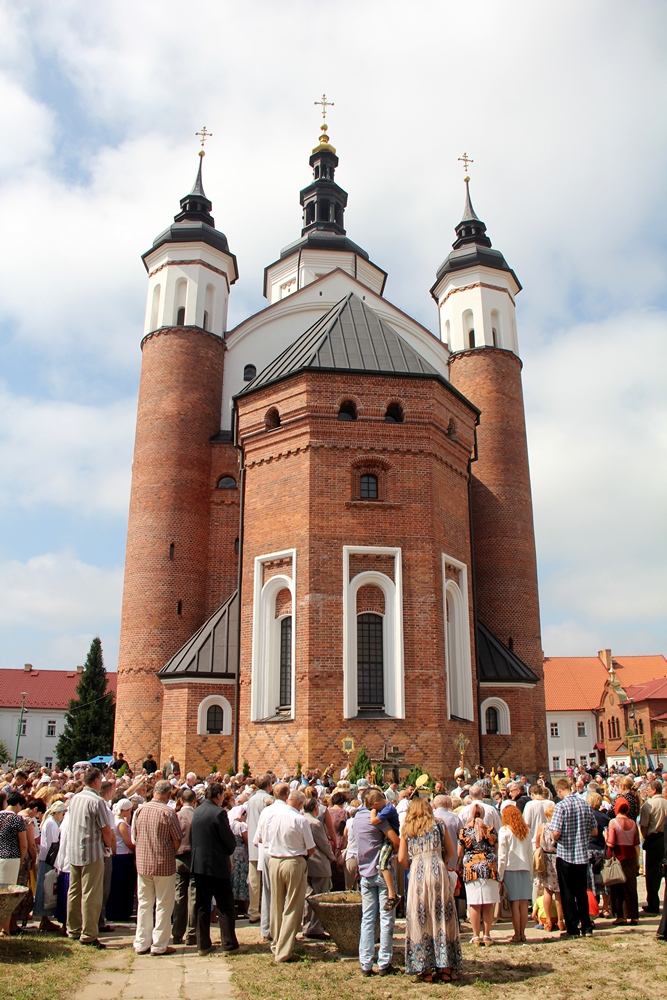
(90, 719)
(658, 741)
(5, 753)
(362, 765)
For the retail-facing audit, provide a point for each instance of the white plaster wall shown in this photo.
(309, 265)
(468, 290)
(167, 264)
(35, 745)
(567, 744)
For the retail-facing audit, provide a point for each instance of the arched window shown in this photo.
(180, 316)
(347, 410)
(368, 487)
(394, 414)
(468, 329)
(641, 725)
(272, 419)
(214, 720)
(285, 664)
(495, 327)
(249, 373)
(155, 308)
(180, 297)
(370, 663)
(227, 483)
(209, 306)
(451, 428)
(214, 716)
(495, 716)
(457, 640)
(491, 719)
(602, 732)
(471, 338)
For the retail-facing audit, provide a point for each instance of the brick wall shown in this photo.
(179, 727)
(505, 560)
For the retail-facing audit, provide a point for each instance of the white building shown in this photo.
(47, 698)
(573, 692)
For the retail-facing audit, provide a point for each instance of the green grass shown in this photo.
(40, 967)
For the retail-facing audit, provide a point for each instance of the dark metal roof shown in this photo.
(349, 337)
(213, 650)
(497, 663)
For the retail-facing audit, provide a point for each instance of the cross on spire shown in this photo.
(325, 104)
(465, 160)
(204, 135)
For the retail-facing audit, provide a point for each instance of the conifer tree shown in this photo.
(362, 765)
(90, 718)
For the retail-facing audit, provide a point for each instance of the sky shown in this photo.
(561, 106)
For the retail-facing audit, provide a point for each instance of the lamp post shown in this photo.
(20, 727)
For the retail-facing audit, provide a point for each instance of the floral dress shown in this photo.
(240, 859)
(431, 923)
(548, 879)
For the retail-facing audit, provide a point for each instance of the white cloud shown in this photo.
(64, 454)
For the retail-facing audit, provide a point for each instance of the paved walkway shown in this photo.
(123, 975)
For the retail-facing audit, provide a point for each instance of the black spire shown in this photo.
(470, 229)
(323, 201)
(196, 205)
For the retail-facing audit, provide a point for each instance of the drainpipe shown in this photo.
(473, 577)
(237, 692)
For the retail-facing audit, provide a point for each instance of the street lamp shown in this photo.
(20, 727)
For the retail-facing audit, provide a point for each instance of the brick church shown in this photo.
(330, 530)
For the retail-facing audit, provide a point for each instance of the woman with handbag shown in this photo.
(514, 868)
(547, 877)
(622, 838)
(49, 843)
(477, 849)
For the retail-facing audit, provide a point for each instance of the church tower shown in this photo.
(190, 271)
(475, 290)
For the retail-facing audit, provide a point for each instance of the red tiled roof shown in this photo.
(639, 669)
(44, 688)
(573, 683)
(651, 690)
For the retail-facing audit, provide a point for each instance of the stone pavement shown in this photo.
(123, 975)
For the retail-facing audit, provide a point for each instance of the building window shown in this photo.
(571, 762)
(272, 419)
(457, 640)
(214, 716)
(602, 732)
(368, 486)
(249, 372)
(347, 410)
(370, 663)
(48, 762)
(22, 727)
(226, 483)
(640, 725)
(581, 729)
(500, 717)
(555, 763)
(394, 414)
(51, 727)
(371, 640)
(285, 664)
(553, 729)
(583, 759)
(214, 720)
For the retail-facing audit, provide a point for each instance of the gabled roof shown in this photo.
(349, 337)
(49, 689)
(498, 664)
(213, 650)
(639, 669)
(573, 683)
(651, 690)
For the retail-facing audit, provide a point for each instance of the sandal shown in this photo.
(447, 976)
(488, 940)
(475, 941)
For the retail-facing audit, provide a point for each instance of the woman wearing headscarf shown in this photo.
(477, 849)
(432, 943)
(123, 871)
(239, 827)
(49, 844)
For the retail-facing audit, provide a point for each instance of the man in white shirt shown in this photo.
(256, 803)
(261, 843)
(491, 814)
(290, 844)
(534, 813)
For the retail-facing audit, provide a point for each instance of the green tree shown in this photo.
(90, 718)
(5, 753)
(362, 765)
(658, 741)
(246, 769)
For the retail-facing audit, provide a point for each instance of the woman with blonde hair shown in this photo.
(432, 944)
(477, 849)
(515, 862)
(547, 881)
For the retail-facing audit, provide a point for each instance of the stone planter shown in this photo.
(10, 897)
(340, 913)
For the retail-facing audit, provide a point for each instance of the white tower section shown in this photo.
(476, 290)
(190, 269)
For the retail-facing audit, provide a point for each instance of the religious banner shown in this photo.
(638, 754)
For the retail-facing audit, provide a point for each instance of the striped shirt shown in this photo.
(574, 820)
(155, 829)
(88, 815)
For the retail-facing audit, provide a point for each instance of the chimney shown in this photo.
(605, 656)
(79, 669)
(27, 667)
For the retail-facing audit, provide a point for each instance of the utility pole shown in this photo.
(20, 727)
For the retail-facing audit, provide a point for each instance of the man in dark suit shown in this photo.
(171, 769)
(212, 844)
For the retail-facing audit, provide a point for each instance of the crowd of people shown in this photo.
(96, 846)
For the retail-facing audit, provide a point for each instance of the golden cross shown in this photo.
(325, 104)
(205, 134)
(465, 160)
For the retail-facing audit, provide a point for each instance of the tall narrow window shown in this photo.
(214, 720)
(209, 306)
(368, 487)
(370, 663)
(471, 338)
(155, 307)
(285, 664)
(51, 727)
(180, 300)
(491, 720)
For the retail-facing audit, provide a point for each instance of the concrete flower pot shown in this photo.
(340, 913)
(10, 897)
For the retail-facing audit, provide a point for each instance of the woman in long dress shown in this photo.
(239, 827)
(432, 943)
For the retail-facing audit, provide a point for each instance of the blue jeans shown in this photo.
(373, 897)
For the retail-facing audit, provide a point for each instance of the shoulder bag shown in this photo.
(612, 872)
